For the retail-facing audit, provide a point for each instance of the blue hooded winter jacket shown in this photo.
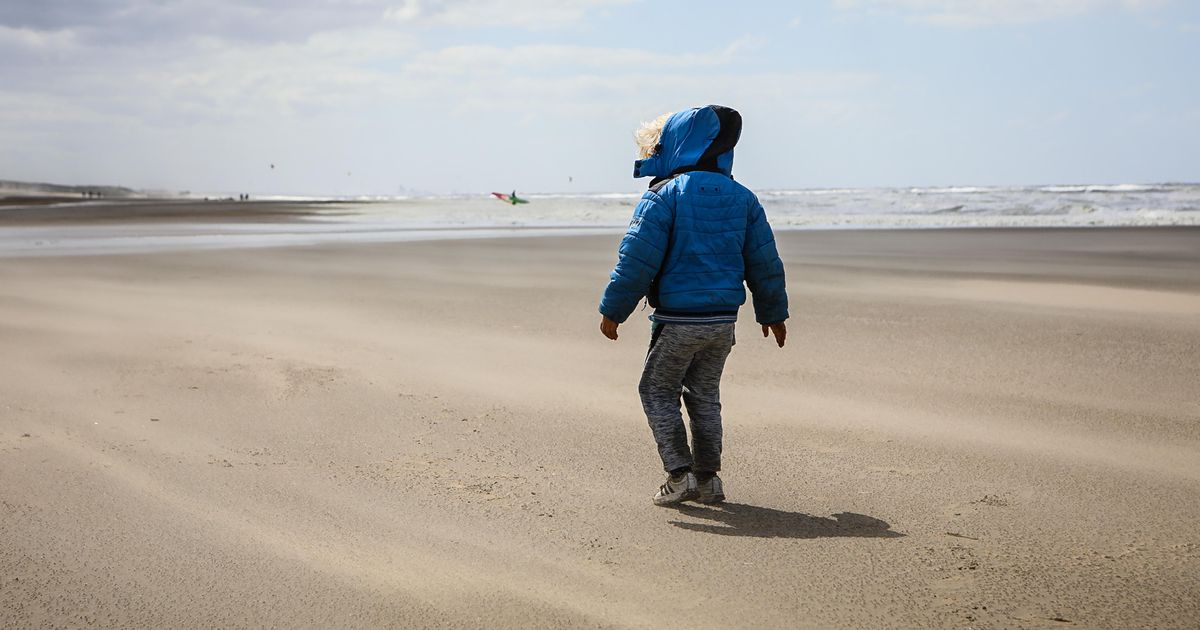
(696, 235)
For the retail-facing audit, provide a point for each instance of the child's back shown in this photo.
(695, 238)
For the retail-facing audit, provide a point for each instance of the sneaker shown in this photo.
(711, 491)
(677, 490)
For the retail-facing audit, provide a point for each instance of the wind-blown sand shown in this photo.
(967, 428)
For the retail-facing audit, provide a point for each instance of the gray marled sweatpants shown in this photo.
(687, 360)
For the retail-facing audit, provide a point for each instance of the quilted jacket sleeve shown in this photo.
(764, 269)
(639, 257)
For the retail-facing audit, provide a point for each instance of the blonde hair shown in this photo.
(648, 134)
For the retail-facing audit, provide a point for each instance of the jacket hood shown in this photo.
(697, 139)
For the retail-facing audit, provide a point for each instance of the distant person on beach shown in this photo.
(695, 238)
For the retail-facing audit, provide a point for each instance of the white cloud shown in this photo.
(971, 13)
(530, 59)
(29, 40)
(129, 22)
(208, 79)
(531, 14)
(808, 97)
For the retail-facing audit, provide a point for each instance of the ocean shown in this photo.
(834, 208)
(479, 216)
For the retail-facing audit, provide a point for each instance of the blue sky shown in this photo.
(379, 97)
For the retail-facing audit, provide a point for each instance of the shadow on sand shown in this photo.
(739, 519)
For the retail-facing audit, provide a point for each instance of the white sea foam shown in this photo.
(1102, 188)
(808, 192)
(949, 190)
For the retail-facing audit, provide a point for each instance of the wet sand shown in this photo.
(34, 211)
(990, 428)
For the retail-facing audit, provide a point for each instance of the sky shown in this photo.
(387, 97)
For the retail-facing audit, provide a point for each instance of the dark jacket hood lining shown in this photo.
(729, 123)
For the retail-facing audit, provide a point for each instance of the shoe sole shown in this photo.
(686, 495)
(716, 498)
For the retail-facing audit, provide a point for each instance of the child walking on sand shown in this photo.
(696, 236)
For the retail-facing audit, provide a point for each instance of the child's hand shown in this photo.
(780, 331)
(608, 327)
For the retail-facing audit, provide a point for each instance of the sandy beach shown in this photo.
(988, 428)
